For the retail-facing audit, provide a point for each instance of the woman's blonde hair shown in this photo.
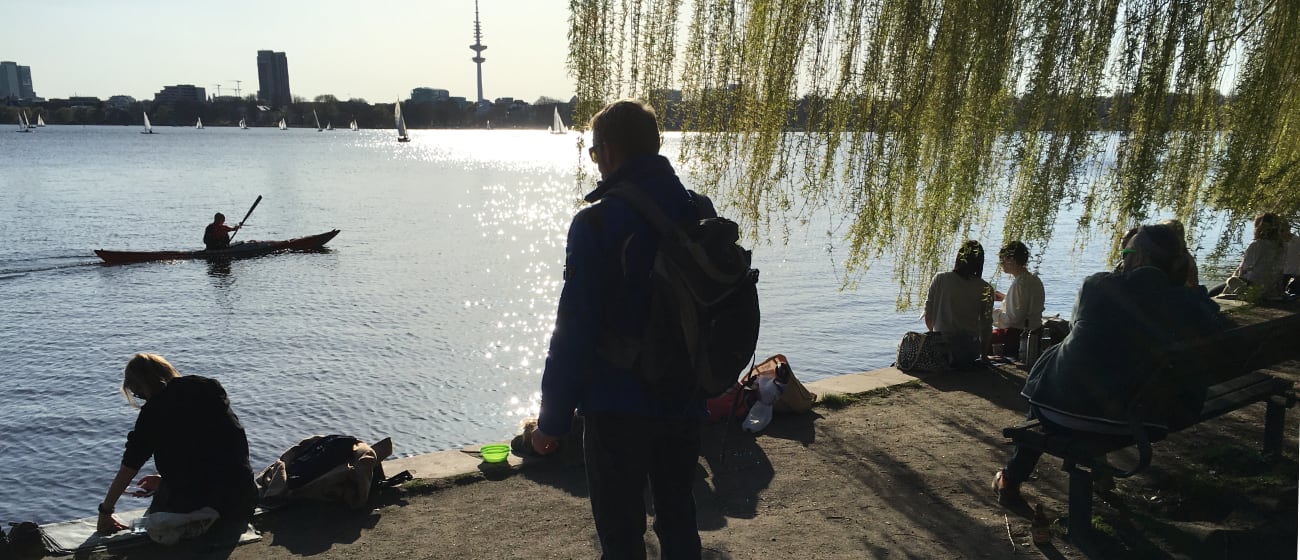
(149, 371)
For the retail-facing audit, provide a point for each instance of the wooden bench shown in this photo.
(1084, 453)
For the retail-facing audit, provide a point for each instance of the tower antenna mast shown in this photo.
(478, 47)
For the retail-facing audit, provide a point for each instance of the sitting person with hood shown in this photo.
(1121, 321)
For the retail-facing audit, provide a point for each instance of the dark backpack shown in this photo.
(702, 326)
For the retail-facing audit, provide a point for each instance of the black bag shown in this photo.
(703, 323)
(923, 352)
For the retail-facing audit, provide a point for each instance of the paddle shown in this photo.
(250, 213)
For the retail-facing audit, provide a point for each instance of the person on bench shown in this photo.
(1120, 321)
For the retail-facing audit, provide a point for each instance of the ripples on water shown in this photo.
(427, 318)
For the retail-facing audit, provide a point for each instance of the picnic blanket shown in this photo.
(79, 537)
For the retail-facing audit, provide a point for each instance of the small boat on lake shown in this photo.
(283, 125)
(199, 123)
(313, 115)
(22, 125)
(557, 124)
(148, 128)
(329, 125)
(243, 125)
(353, 126)
(40, 122)
(401, 123)
(241, 250)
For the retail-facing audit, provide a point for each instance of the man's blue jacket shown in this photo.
(608, 258)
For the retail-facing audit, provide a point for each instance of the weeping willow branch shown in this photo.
(919, 120)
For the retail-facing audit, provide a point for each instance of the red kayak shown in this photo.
(236, 251)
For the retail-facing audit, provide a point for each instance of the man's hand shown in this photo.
(108, 524)
(544, 443)
(147, 486)
(999, 296)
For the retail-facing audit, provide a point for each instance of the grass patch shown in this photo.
(836, 401)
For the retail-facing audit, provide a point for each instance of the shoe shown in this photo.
(1009, 494)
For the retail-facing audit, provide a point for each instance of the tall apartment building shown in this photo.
(273, 78)
(15, 81)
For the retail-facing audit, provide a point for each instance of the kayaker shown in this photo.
(217, 234)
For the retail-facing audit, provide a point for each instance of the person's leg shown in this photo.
(672, 476)
(617, 460)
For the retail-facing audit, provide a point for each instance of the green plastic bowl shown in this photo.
(494, 453)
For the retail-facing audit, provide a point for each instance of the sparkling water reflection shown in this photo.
(427, 319)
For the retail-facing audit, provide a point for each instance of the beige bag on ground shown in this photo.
(348, 482)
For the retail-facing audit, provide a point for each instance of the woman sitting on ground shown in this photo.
(1261, 266)
(1120, 321)
(960, 306)
(195, 439)
(1022, 305)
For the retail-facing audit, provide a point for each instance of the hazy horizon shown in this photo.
(375, 51)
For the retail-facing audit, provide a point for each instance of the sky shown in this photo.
(377, 50)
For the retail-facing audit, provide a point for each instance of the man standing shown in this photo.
(1022, 305)
(217, 234)
(631, 436)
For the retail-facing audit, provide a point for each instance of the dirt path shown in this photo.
(903, 473)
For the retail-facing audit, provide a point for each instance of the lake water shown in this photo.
(427, 320)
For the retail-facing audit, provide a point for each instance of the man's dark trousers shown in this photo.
(623, 453)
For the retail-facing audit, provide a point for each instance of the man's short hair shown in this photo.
(219, 217)
(1017, 251)
(629, 124)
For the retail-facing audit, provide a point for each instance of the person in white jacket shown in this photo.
(1022, 304)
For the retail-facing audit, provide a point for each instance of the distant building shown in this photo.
(429, 95)
(182, 92)
(503, 101)
(15, 81)
(273, 78)
(83, 101)
(120, 101)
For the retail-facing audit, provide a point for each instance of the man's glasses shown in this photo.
(592, 152)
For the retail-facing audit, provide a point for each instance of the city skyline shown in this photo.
(338, 48)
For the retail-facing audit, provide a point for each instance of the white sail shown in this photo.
(329, 125)
(353, 126)
(313, 115)
(40, 121)
(401, 123)
(242, 124)
(26, 121)
(199, 123)
(557, 124)
(283, 126)
(148, 128)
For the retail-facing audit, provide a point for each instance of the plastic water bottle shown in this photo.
(769, 390)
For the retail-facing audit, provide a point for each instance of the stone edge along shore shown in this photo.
(454, 463)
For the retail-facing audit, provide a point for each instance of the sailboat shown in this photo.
(148, 128)
(243, 125)
(22, 124)
(199, 123)
(329, 125)
(557, 124)
(27, 121)
(313, 115)
(40, 122)
(401, 123)
(353, 126)
(283, 126)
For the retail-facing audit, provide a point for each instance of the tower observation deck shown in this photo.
(478, 47)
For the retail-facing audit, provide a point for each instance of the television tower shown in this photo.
(478, 47)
